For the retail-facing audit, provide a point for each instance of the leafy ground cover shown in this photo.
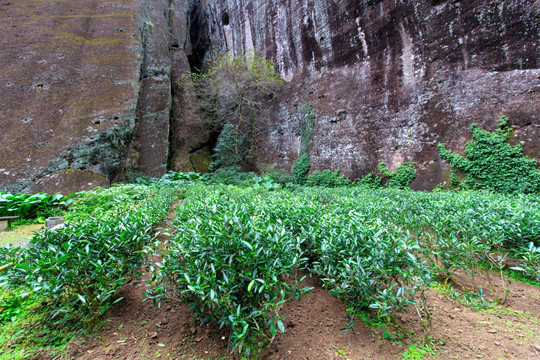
(32, 206)
(244, 261)
(74, 273)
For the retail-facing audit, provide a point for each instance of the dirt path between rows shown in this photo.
(138, 330)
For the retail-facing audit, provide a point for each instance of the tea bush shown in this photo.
(379, 250)
(370, 181)
(239, 253)
(401, 177)
(235, 263)
(81, 267)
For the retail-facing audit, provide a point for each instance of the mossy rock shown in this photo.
(201, 160)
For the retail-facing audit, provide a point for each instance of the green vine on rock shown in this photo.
(301, 166)
(300, 169)
(490, 162)
(401, 177)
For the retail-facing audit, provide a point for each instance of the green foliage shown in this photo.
(417, 352)
(401, 177)
(81, 267)
(231, 149)
(278, 176)
(327, 178)
(177, 178)
(234, 267)
(135, 177)
(228, 176)
(232, 91)
(378, 250)
(370, 181)
(530, 255)
(265, 182)
(24, 331)
(237, 253)
(172, 178)
(300, 169)
(490, 162)
(12, 306)
(32, 206)
(307, 117)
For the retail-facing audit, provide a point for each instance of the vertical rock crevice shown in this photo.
(189, 139)
(150, 148)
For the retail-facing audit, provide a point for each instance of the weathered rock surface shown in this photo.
(68, 87)
(389, 79)
(86, 85)
(91, 86)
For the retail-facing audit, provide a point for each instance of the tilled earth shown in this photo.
(138, 330)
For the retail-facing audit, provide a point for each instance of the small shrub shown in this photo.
(530, 255)
(229, 176)
(300, 169)
(279, 176)
(327, 178)
(401, 177)
(135, 177)
(370, 181)
(231, 149)
(32, 206)
(80, 268)
(231, 263)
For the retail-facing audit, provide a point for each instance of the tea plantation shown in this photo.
(238, 254)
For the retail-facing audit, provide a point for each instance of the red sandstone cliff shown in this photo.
(88, 88)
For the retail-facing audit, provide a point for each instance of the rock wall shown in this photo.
(90, 90)
(389, 79)
(87, 92)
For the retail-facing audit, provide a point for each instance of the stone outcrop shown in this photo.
(90, 90)
(389, 79)
(88, 86)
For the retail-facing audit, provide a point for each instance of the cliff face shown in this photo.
(89, 89)
(389, 79)
(86, 91)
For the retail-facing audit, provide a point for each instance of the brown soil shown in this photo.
(138, 330)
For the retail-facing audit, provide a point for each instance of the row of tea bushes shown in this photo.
(237, 251)
(79, 268)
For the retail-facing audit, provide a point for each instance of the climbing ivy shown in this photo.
(307, 117)
(401, 177)
(490, 162)
(300, 169)
(301, 166)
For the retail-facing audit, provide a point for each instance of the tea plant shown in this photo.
(81, 267)
(327, 178)
(401, 177)
(530, 255)
(234, 268)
